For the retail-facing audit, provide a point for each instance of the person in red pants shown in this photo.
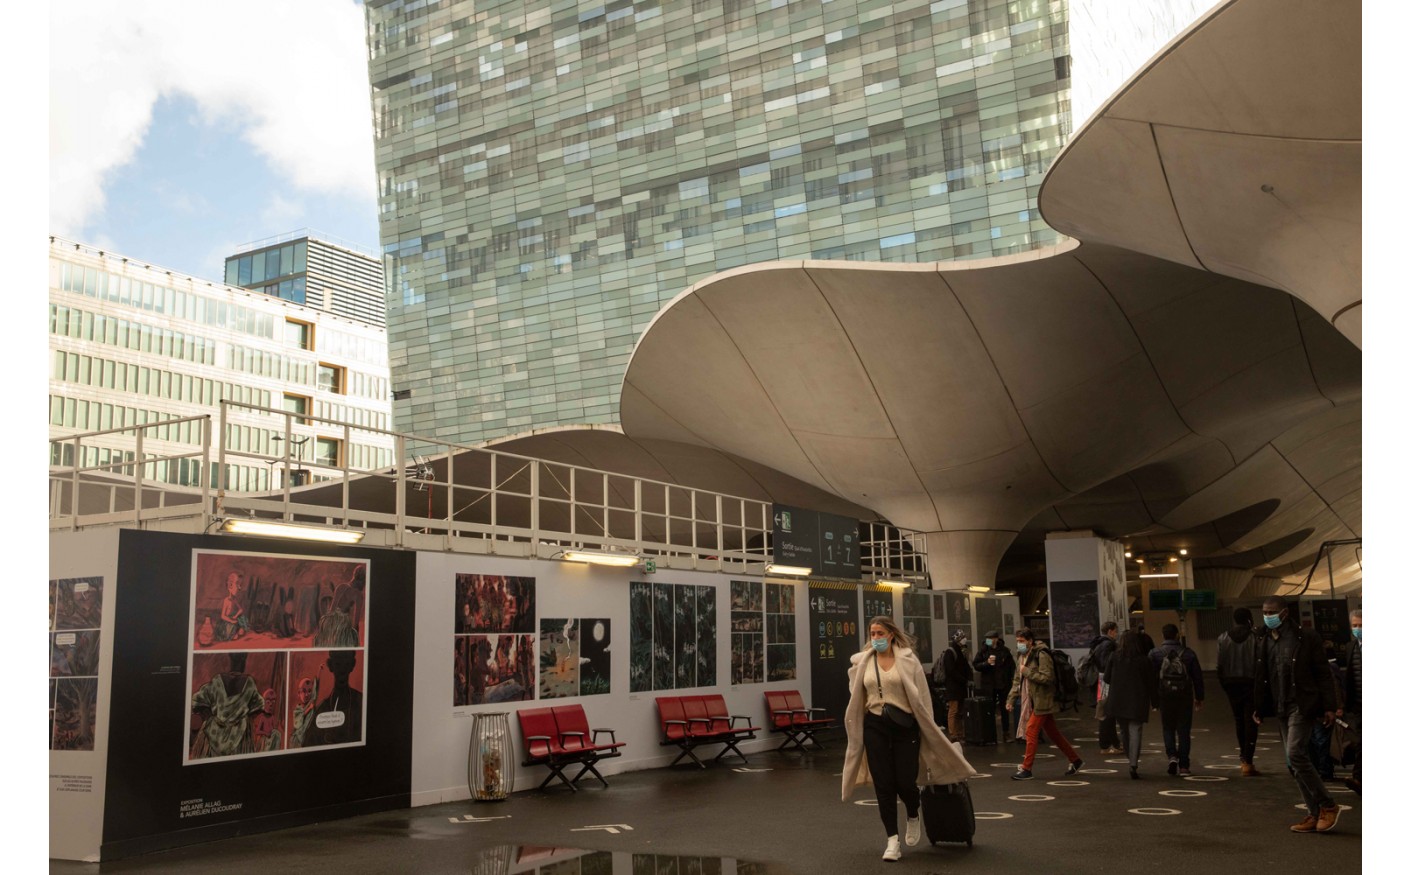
(1034, 686)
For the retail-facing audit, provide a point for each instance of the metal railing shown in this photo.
(441, 495)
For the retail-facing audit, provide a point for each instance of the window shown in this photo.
(298, 334)
(296, 404)
(331, 378)
(329, 452)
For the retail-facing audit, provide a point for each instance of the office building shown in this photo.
(313, 271)
(552, 174)
(131, 344)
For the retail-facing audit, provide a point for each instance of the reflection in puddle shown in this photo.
(515, 859)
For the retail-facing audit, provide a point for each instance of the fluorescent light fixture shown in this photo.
(593, 557)
(894, 584)
(1159, 575)
(271, 529)
(1184, 552)
(978, 588)
(1004, 594)
(1140, 562)
(1172, 558)
(794, 570)
(1138, 611)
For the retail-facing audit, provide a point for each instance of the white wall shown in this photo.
(78, 779)
(441, 732)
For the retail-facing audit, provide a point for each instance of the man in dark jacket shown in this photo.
(1292, 683)
(958, 674)
(1181, 694)
(1237, 654)
(994, 664)
(1100, 650)
(1353, 694)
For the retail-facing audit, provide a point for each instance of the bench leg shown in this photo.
(731, 745)
(792, 740)
(687, 752)
(555, 770)
(590, 767)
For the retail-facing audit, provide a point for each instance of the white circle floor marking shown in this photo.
(1199, 729)
(1221, 766)
(1154, 812)
(992, 815)
(1263, 748)
(981, 775)
(1087, 771)
(1117, 762)
(1084, 739)
(1006, 765)
(1205, 778)
(1340, 790)
(1183, 793)
(1030, 797)
(1229, 756)
(1068, 783)
(1044, 756)
(866, 802)
(1303, 806)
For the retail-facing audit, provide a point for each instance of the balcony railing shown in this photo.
(438, 495)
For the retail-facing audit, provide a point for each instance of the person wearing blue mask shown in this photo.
(891, 732)
(1034, 692)
(994, 666)
(1293, 683)
(1353, 695)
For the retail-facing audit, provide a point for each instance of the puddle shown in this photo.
(516, 859)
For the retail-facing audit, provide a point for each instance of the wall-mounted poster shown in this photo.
(988, 616)
(75, 613)
(1074, 612)
(957, 609)
(780, 627)
(494, 641)
(875, 603)
(672, 636)
(937, 606)
(1008, 624)
(746, 627)
(915, 619)
(278, 644)
(573, 657)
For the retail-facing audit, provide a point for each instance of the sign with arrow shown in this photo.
(753, 770)
(614, 828)
(470, 818)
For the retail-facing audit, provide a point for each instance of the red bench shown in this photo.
(788, 714)
(557, 737)
(689, 722)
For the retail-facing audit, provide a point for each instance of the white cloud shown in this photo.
(291, 76)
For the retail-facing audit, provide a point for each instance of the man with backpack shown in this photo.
(1181, 692)
(1036, 691)
(1090, 671)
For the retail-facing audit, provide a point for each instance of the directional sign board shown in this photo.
(824, 542)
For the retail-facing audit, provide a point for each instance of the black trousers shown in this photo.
(999, 696)
(893, 757)
(1240, 693)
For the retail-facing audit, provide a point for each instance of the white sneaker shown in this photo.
(893, 849)
(912, 831)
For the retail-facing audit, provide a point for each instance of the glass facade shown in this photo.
(552, 174)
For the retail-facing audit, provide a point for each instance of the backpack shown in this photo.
(1065, 684)
(1087, 672)
(937, 671)
(1174, 677)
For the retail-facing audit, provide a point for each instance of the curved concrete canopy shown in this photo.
(965, 399)
(1238, 150)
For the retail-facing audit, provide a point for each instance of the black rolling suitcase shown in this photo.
(979, 721)
(948, 813)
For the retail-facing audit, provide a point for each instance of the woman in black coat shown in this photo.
(1132, 693)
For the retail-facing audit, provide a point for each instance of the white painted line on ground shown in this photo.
(753, 770)
(1154, 812)
(866, 802)
(1044, 756)
(1342, 805)
(981, 775)
(613, 828)
(470, 818)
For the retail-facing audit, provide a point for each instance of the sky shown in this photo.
(180, 131)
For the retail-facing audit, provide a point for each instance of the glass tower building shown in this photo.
(304, 269)
(552, 173)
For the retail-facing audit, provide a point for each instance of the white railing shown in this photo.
(443, 495)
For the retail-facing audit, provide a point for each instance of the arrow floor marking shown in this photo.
(610, 827)
(470, 818)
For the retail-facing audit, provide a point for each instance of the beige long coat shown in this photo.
(940, 761)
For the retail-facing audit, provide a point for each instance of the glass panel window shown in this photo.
(328, 451)
(298, 334)
(330, 378)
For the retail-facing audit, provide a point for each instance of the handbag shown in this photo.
(1343, 742)
(1102, 695)
(896, 716)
